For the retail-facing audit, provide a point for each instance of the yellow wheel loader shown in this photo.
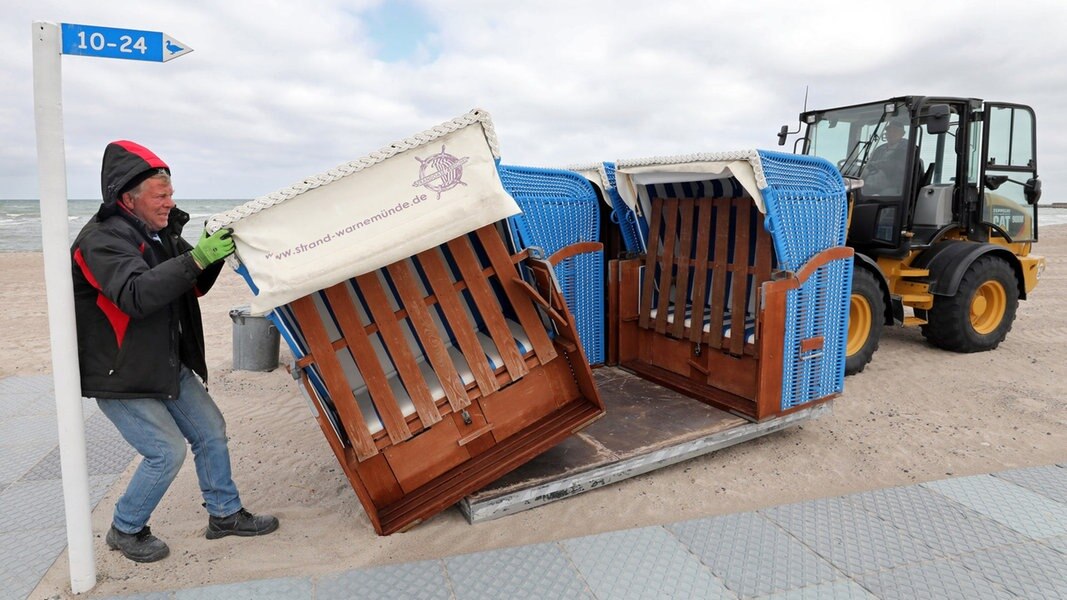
(943, 215)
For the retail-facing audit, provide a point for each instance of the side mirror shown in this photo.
(782, 134)
(937, 117)
(992, 182)
(1032, 190)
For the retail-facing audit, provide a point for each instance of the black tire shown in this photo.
(866, 316)
(981, 313)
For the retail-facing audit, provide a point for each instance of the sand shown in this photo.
(915, 414)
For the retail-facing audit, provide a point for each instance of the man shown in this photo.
(141, 347)
(884, 173)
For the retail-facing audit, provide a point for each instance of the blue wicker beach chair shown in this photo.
(742, 296)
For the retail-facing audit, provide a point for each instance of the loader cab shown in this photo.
(921, 169)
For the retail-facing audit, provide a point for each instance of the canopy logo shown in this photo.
(440, 172)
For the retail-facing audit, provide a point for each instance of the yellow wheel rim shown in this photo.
(859, 323)
(988, 306)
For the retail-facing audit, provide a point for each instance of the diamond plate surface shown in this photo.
(1029, 570)
(642, 563)
(103, 456)
(16, 461)
(97, 426)
(537, 571)
(851, 538)
(752, 555)
(424, 580)
(842, 589)
(925, 515)
(29, 430)
(25, 556)
(31, 505)
(89, 407)
(1059, 543)
(289, 588)
(1024, 511)
(1049, 481)
(20, 404)
(29, 384)
(942, 579)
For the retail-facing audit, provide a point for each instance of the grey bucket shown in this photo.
(255, 341)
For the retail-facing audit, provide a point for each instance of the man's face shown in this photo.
(153, 204)
(894, 133)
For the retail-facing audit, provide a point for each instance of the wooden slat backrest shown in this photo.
(487, 305)
(686, 211)
(414, 310)
(763, 267)
(399, 351)
(726, 274)
(719, 263)
(739, 270)
(651, 261)
(666, 263)
(432, 342)
(507, 277)
(333, 376)
(452, 305)
(700, 271)
(366, 358)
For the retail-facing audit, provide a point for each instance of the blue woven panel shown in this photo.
(807, 213)
(817, 308)
(807, 210)
(633, 235)
(560, 208)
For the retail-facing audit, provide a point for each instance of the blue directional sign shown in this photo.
(129, 44)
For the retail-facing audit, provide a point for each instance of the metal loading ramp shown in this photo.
(646, 427)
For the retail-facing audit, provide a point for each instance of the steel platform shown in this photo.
(647, 427)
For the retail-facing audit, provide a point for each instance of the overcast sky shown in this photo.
(278, 90)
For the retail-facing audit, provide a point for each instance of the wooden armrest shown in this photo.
(826, 256)
(543, 303)
(574, 250)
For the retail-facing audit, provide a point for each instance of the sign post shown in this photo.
(50, 42)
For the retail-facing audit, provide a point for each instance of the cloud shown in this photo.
(276, 91)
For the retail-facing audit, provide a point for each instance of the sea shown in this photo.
(20, 220)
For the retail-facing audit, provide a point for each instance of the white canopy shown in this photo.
(406, 198)
(744, 166)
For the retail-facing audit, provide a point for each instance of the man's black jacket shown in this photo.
(135, 300)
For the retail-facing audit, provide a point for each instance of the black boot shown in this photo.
(242, 523)
(140, 547)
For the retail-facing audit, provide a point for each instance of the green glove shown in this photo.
(213, 248)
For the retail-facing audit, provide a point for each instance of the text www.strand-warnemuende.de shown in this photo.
(385, 213)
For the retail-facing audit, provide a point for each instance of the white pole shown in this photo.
(55, 240)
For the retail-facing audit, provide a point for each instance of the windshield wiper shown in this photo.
(854, 157)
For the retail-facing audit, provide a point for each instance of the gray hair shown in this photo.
(160, 174)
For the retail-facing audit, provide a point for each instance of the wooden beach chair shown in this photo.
(435, 375)
(437, 371)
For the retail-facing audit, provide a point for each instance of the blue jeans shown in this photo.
(158, 430)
